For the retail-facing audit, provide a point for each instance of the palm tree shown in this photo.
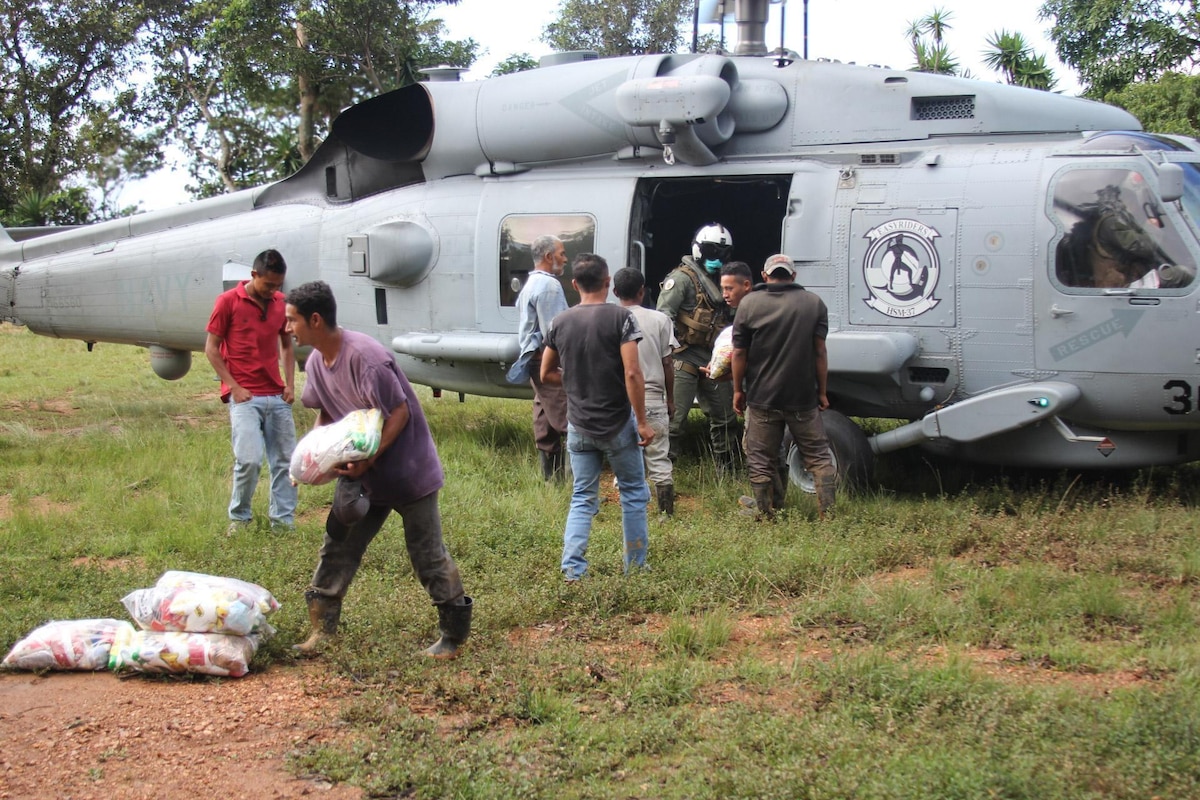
(937, 23)
(1007, 51)
(1034, 73)
(932, 55)
(33, 208)
(1011, 55)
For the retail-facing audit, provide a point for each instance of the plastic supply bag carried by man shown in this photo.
(722, 354)
(355, 437)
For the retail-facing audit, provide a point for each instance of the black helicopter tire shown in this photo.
(853, 459)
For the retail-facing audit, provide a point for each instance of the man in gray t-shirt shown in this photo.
(595, 343)
(654, 354)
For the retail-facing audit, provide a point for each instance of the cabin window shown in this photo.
(517, 232)
(1117, 234)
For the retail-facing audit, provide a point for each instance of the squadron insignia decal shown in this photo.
(901, 268)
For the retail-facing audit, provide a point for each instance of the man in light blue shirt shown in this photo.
(541, 299)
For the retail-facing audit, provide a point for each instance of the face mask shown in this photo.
(712, 265)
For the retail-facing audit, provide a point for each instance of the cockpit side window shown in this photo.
(517, 232)
(1116, 234)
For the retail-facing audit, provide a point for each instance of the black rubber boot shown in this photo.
(454, 622)
(764, 500)
(666, 498)
(552, 466)
(324, 613)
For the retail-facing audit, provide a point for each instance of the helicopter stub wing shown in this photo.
(983, 416)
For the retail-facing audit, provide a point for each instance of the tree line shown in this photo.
(92, 93)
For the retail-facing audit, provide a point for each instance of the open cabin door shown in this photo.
(668, 212)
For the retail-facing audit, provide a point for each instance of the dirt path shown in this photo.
(94, 735)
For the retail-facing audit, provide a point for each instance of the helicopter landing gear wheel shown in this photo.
(852, 456)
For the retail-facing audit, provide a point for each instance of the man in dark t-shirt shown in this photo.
(595, 343)
(780, 371)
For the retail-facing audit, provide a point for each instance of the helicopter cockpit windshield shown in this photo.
(1117, 232)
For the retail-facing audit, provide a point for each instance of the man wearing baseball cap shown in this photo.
(780, 371)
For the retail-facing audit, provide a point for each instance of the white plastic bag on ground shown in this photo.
(355, 437)
(82, 644)
(178, 652)
(197, 603)
(195, 610)
(722, 354)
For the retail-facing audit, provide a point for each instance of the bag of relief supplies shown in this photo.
(179, 652)
(196, 603)
(355, 437)
(722, 354)
(82, 644)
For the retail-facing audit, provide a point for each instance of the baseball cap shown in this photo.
(779, 263)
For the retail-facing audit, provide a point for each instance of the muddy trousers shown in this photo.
(764, 437)
(344, 546)
(549, 413)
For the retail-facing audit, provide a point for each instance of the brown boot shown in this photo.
(454, 622)
(779, 489)
(825, 486)
(764, 500)
(324, 613)
(666, 498)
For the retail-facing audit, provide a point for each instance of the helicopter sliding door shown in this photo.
(668, 211)
(589, 215)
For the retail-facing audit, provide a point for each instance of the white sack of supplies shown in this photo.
(722, 354)
(355, 437)
(179, 652)
(193, 602)
(81, 644)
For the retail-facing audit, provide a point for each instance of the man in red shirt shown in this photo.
(247, 334)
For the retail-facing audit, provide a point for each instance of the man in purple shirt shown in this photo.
(349, 371)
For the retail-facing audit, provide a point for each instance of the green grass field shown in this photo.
(951, 634)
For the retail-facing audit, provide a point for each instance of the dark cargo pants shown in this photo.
(764, 437)
(344, 546)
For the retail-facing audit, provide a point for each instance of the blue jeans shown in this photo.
(625, 458)
(262, 425)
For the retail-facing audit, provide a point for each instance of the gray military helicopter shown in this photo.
(1009, 272)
